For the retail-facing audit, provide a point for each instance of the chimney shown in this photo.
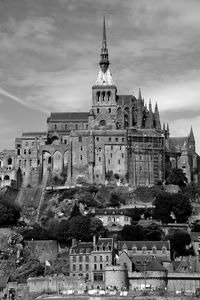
(73, 242)
(94, 240)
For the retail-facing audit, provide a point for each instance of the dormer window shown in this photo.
(134, 249)
(154, 250)
(144, 250)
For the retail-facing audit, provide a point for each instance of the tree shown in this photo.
(177, 176)
(134, 213)
(132, 233)
(9, 213)
(162, 208)
(166, 204)
(181, 207)
(79, 228)
(179, 240)
(75, 211)
(114, 200)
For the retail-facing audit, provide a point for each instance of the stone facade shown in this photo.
(120, 135)
(88, 260)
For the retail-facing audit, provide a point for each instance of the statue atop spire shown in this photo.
(104, 62)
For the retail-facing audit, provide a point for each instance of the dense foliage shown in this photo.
(139, 233)
(9, 213)
(171, 207)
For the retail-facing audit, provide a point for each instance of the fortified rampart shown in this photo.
(55, 284)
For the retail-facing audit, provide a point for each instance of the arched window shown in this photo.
(97, 96)
(109, 110)
(49, 160)
(6, 177)
(9, 161)
(103, 96)
(108, 94)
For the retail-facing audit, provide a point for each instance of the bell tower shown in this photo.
(104, 91)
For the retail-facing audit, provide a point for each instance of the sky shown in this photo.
(49, 55)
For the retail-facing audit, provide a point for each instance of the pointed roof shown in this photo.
(191, 136)
(139, 94)
(104, 42)
(104, 61)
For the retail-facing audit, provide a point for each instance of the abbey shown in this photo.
(120, 135)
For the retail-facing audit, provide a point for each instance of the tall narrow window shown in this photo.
(109, 110)
(103, 96)
(108, 94)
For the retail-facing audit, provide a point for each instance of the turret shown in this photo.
(149, 121)
(191, 140)
(157, 118)
(104, 62)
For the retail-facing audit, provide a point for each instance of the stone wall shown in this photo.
(55, 284)
(183, 282)
(149, 279)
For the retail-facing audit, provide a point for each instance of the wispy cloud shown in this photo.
(49, 53)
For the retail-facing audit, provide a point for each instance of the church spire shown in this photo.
(104, 62)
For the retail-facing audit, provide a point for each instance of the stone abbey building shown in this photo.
(120, 135)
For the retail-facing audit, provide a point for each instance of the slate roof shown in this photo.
(104, 241)
(145, 264)
(140, 244)
(66, 116)
(124, 99)
(176, 143)
(83, 247)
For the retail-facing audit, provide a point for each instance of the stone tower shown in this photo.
(104, 91)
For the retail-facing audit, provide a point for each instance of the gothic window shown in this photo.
(81, 148)
(98, 96)
(81, 157)
(118, 125)
(24, 151)
(103, 96)
(10, 161)
(18, 151)
(109, 94)
(119, 111)
(49, 160)
(29, 151)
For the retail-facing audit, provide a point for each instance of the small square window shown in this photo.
(97, 139)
